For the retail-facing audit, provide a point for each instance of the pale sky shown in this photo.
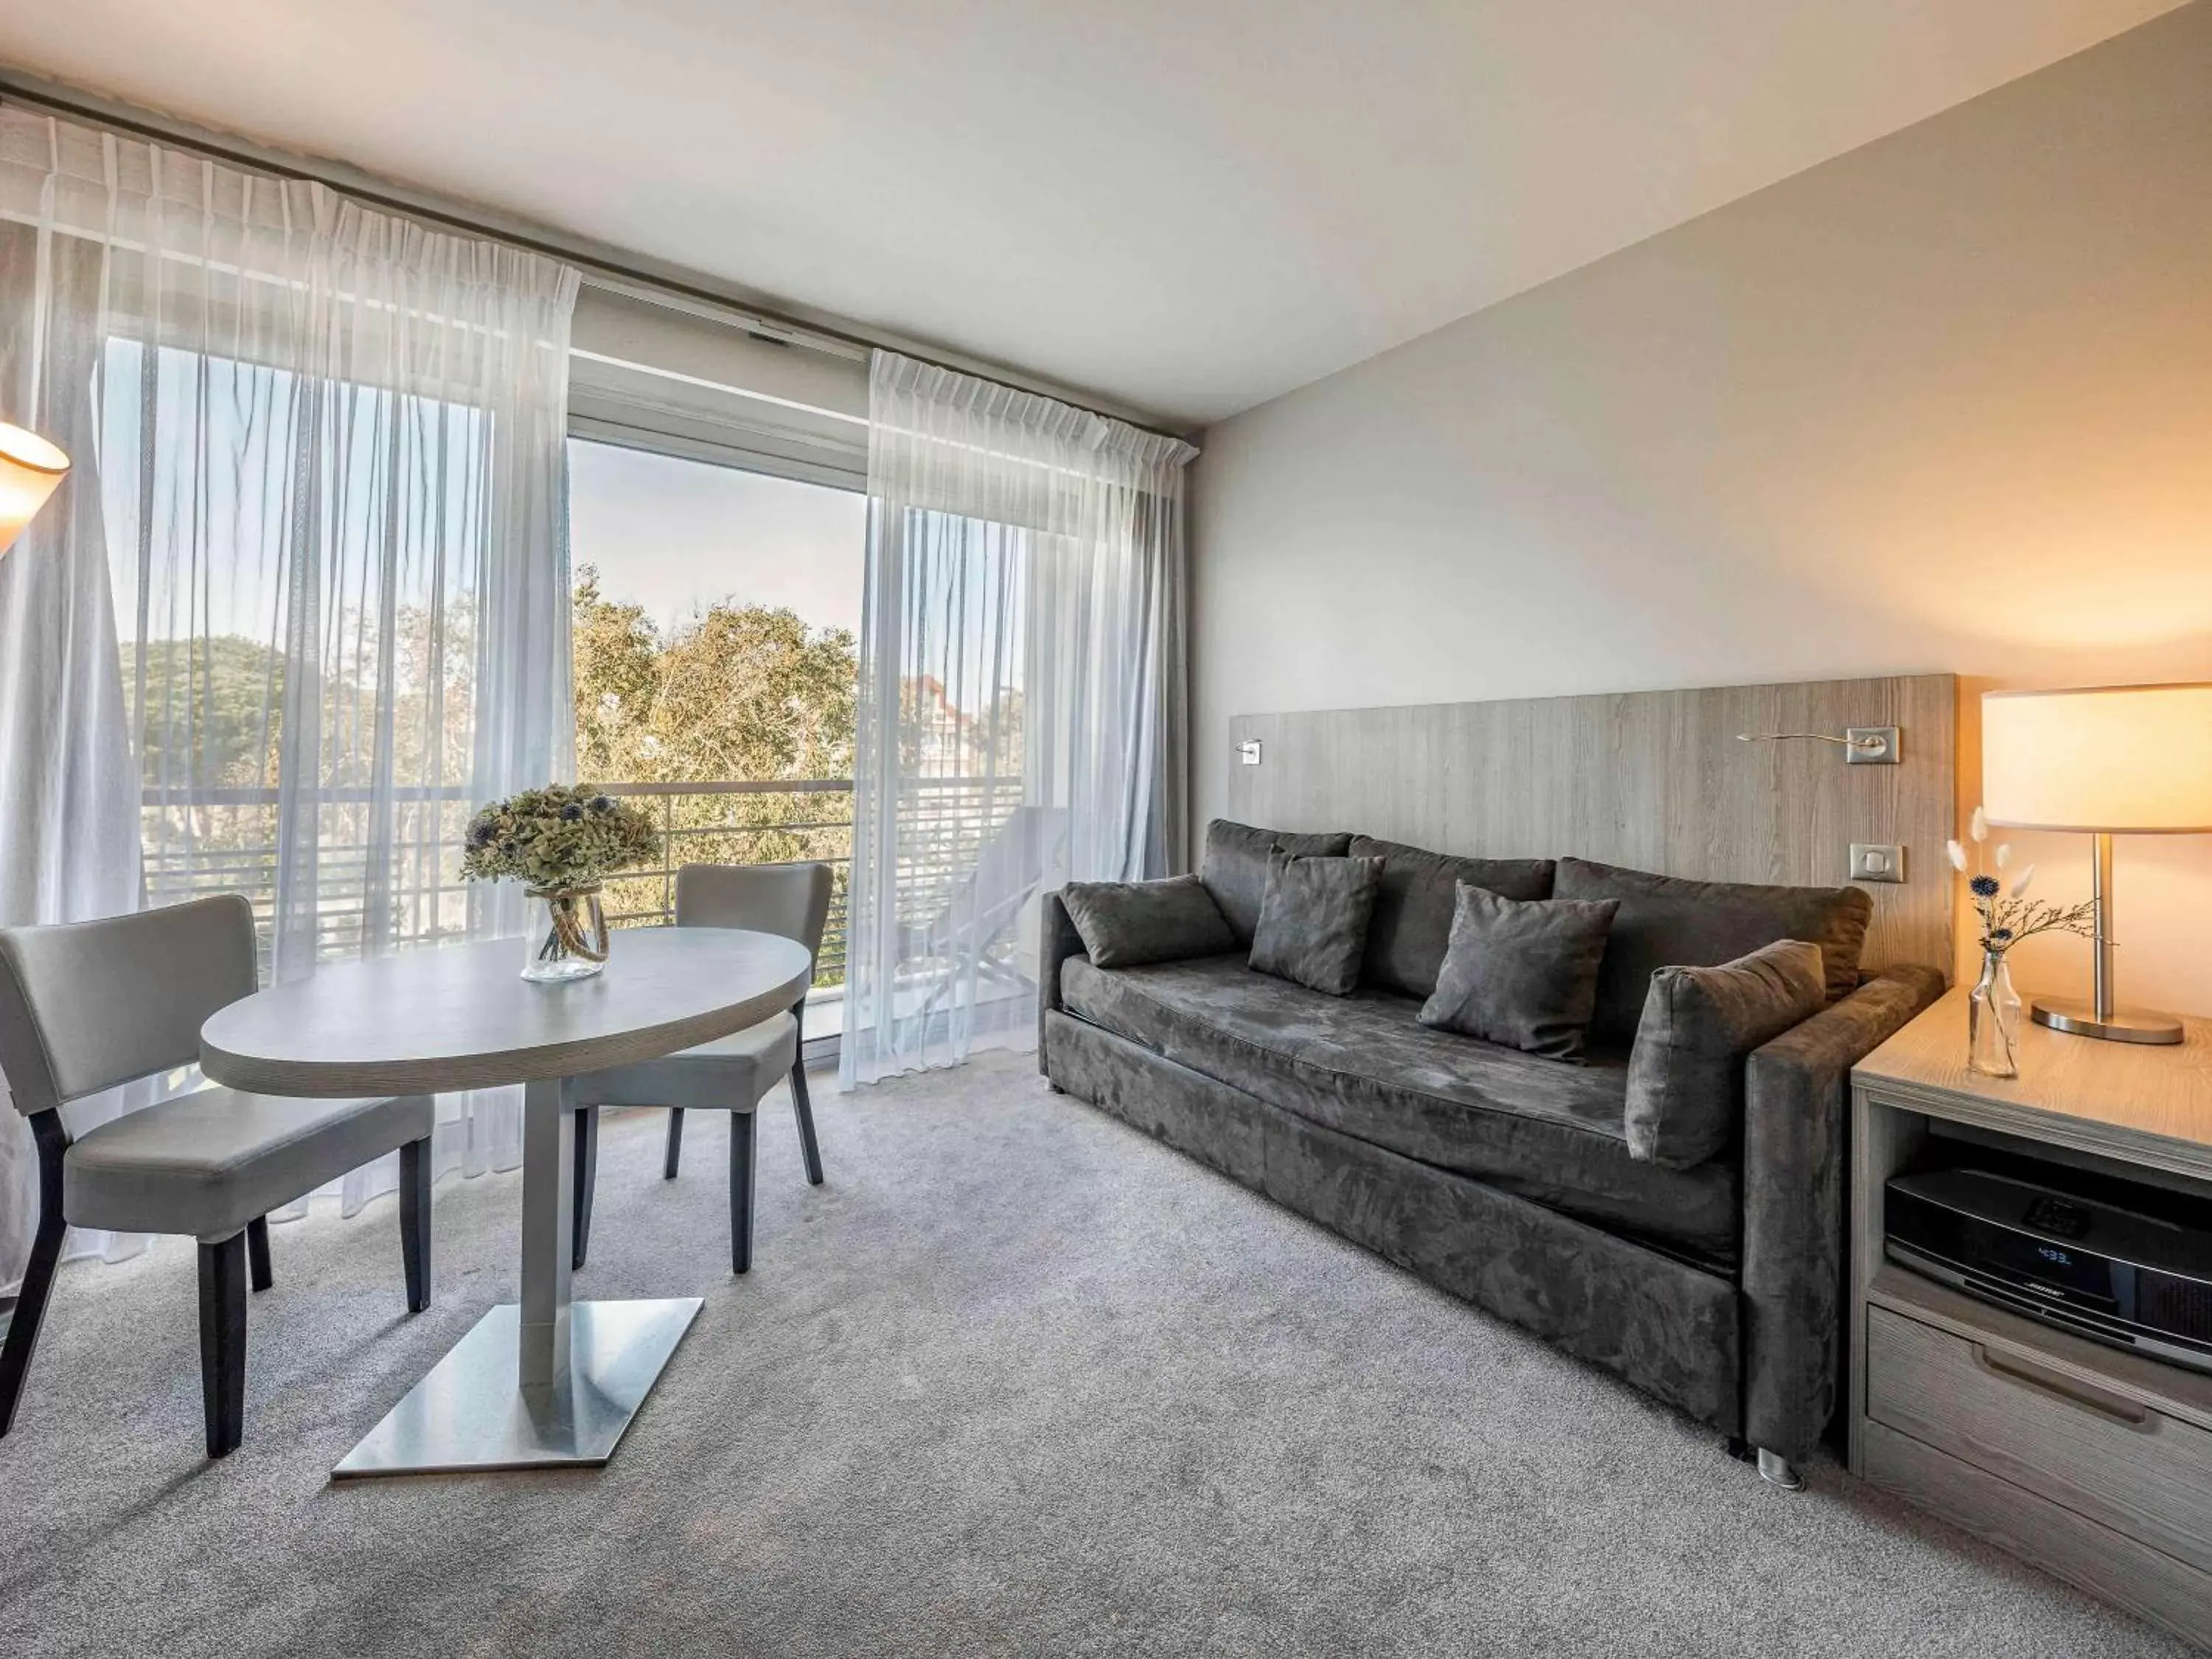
(676, 536)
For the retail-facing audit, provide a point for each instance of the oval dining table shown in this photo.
(548, 1381)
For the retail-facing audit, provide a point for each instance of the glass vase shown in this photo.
(1993, 1020)
(568, 939)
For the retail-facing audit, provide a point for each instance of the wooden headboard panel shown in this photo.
(1652, 779)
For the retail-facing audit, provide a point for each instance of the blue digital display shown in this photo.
(2052, 1253)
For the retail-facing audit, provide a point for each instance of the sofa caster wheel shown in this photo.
(1774, 1469)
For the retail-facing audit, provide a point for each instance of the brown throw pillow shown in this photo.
(1666, 921)
(1521, 972)
(1126, 924)
(1235, 868)
(1313, 921)
(1686, 1075)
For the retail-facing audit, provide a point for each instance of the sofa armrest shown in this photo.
(1796, 1091)
(1058, 940)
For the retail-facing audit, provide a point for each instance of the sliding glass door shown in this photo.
(715, 616)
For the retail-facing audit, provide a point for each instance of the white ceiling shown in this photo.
(1188, 205)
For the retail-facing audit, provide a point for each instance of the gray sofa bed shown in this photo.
(1501, 1176)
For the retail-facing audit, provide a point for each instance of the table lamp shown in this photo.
(30, 470)
(2127, 760)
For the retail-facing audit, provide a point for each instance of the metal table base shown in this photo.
(472, 1412)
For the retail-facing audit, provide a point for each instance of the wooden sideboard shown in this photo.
(2092, 1462)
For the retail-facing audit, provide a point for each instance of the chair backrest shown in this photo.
(792, 900)
(86, 1004)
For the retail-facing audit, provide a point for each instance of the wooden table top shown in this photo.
(2145, 1104)
(463, 1017)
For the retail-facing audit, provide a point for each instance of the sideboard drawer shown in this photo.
(2101, 1454)
(2098, 1452)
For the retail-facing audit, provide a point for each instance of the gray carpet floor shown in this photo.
(1016, 1381)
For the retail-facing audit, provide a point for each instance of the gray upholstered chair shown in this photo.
(86, 1006)
(733, 1073)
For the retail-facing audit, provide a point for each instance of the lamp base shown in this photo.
(2120, 1026)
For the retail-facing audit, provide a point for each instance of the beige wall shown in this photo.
(1944, 403)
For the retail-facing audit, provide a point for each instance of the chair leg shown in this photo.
(741, 1190)
(222, 1342)
(803, 1109)
(39, 1273)
(258, 1273)
(675, 1144)
(587, 1169)
(414, 1221)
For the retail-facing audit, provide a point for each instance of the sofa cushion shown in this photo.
(1313, 921)
(1234, 867)
(1125, 924)
(1407, 936)
(1686, 1072)
(1522, 972)
(1360, 1065)
(1665, 921)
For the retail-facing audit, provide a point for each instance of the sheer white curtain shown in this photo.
(328, 447)
(1022, 699)
(69, 795)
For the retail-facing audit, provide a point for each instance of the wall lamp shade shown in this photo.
(31, 469)
(2127, 760)
(2121, 760)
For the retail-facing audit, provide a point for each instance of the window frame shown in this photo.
(670, 383)
(673, 433)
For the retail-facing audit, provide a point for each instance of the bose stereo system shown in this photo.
(2113, 1261)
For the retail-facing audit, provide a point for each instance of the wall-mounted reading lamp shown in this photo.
(1862, 745)
(31, 469)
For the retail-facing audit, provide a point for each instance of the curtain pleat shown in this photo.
(1022, 699)
(321, 480)
(69, 795)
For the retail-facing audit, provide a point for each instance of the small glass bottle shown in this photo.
(1993, 1020)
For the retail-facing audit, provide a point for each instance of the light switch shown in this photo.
(1876, 862)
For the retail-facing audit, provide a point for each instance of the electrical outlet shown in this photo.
(1249, 751)
(1877, 862)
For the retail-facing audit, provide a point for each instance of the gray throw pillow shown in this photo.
(1521, 972)
(1126, 924)
(1414, 907)
(1313, 921)
(1666, 921)
(1686, 1075)
(1235, 868)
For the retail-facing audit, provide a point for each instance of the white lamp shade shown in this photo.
(31, 469)
(2122, 759)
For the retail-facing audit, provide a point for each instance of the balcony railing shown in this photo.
(780, 822)
(217, 840)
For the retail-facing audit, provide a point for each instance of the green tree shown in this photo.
(209, 715)
(739, 694)
(211, 711)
